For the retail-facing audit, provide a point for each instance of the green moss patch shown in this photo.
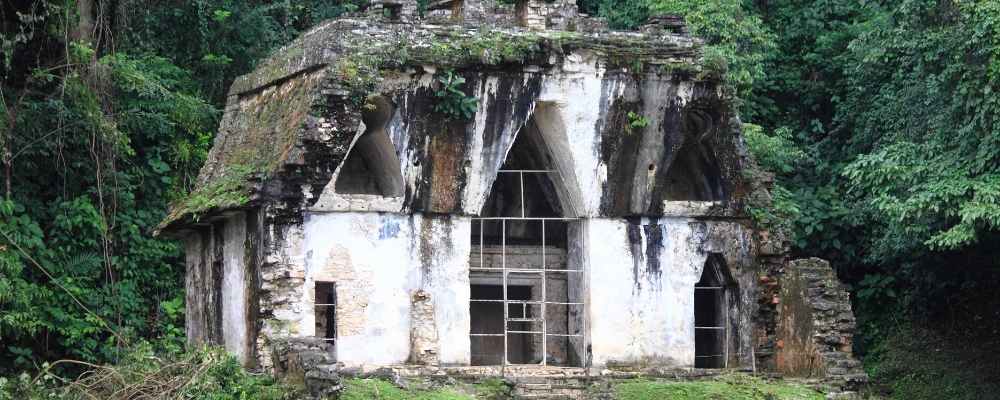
(730, 387)
(254, 142)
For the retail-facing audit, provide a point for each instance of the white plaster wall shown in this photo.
(642, 317)
(569, 115)
(567, 122)
(446, 278)
(377, 261)
(235, 331)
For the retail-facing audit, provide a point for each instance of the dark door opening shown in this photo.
(711, 327)
(486, 309)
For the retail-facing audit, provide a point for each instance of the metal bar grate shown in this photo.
(505, 273)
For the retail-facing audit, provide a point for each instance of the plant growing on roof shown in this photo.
(452, 101)
(635, 122)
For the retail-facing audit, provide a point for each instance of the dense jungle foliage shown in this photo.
(880, 119)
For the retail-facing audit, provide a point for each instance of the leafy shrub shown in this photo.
(451, 100)
(775, 153)
(635, 122)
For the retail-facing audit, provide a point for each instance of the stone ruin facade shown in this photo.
(585, 208)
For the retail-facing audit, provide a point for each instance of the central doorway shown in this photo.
(526, 291)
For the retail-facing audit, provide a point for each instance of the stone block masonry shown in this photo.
(816, 327)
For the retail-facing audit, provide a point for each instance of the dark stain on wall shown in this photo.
(431, 245)
(654, 245)
(214, 281)
(508, 109)
(440, 145)
(645, 256)
(694, 171)
(619, 149)
(635, 247)
(254, 256)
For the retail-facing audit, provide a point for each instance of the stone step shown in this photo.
(533, 387)
(550, 392)
(547, 397)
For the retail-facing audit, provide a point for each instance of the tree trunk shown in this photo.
(86, 23)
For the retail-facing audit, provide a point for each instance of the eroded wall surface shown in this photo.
(638, 283)
(220, 287)
(642, 311)
(236, 294)
(602, 167)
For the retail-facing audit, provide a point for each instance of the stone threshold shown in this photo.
(516, 371)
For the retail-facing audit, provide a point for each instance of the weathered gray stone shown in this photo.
(423, 333)
(816, 327)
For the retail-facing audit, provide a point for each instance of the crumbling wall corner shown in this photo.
(815, 329)
(306, 362)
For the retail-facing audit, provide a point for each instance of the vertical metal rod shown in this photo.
(503, 268)
(521, 173)
(481, 244)
(543, 245)
(545, 317)
(582, 230)
(725, 327)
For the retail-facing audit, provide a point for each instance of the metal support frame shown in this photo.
(725, 325)
(505, 274)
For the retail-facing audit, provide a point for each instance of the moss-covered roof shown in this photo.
(269, 108)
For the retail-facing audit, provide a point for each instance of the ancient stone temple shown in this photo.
(481, 184)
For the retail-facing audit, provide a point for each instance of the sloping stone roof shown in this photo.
(324, 76)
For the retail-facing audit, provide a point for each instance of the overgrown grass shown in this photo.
(730, 387)
(377, 389)
(209, 374)
(492, 389)
(915, 363)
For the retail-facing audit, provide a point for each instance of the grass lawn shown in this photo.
(730, 387)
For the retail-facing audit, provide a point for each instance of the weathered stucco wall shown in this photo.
(378, 262)
(220, 286)
(381, 250)
(642, 274)
(638, 279)
(641, 306)
(236, 324)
